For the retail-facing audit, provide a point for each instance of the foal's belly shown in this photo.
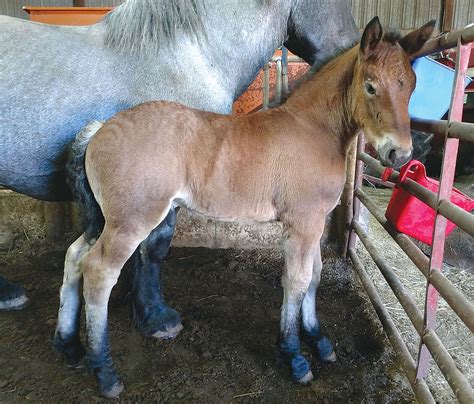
(227, 209)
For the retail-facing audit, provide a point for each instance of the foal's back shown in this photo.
(227, 167)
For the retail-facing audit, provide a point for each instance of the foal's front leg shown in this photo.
(311, 328)
(297, 275)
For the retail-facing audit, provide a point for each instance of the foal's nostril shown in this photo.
(392, 156)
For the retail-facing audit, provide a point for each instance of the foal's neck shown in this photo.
(325, 100)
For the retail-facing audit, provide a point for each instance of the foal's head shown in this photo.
(384, 81)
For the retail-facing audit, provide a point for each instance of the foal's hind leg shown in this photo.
(299, 257)
(150, 313)
(101, 269)
(311, 328)
(66, 337)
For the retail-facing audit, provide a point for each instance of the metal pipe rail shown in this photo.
(447, 41)
(456, 300)
(446, 208)
(458, 130)
(455, 378)
(453, 130)
(420, 388)
(443, 359)
(405, 299)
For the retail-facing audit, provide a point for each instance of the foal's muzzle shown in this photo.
(394, 156)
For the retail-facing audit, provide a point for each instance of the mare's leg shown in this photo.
(299, 257)
(12, 295)
(150, 313)
(66, 338)
(311, 327)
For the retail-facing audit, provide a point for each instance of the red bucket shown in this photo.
(411, 216)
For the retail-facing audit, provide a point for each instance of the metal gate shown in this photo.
(437, 284)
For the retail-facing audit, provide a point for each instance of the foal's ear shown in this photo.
(415, 40)
(371, 37)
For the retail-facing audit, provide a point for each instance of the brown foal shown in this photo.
(285, 164)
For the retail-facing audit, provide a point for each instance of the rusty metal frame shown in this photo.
(437, 284)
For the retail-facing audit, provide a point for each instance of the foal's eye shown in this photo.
(370, 89)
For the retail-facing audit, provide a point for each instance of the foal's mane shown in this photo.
(141, 27)
(391, 37)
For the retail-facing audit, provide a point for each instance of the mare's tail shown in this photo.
(90, 212)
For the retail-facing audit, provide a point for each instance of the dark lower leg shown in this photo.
(289, 343)
(99, 359)
(66, 338)
(311, 330)
(150, 313)
(12, 295)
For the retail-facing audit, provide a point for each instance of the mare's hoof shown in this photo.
(163, 323)
(71, 349)
(114, 391)
(12, 296)
(307, 378)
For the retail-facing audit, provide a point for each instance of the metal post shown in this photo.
(266, 86)
(278, 84)
(445, 186)
(359, 170)
(284, 70)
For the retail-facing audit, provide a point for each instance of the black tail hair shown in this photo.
(92, 220)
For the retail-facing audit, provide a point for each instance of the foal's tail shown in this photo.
(90, 212)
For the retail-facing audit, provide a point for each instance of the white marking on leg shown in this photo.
(70, 298)
(308, 308)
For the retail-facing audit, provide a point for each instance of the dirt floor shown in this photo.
(229, 301)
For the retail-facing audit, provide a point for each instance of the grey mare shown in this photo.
(55, 79)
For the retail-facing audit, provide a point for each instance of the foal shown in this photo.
(284, 164)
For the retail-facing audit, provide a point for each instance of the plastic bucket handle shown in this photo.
(415, 167)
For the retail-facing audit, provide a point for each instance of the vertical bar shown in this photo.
(57, 219)
(444, 193)
(344, 213)
(284, 70)
(448, 15)
(359, 171)
(78, 3)
(266, 86)
(278, 85)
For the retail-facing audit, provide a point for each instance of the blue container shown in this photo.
(434, 86)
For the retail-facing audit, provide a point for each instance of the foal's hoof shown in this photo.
(300, 368)
(307, 378)
(12, 296)
(164, 323)
(325, 350)
(114, 391)
(331, 358)
(71, 349)
(168, 333)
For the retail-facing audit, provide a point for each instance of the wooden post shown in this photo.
(344, 212)
(57, 218)
(447, 23)
(78, 3)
